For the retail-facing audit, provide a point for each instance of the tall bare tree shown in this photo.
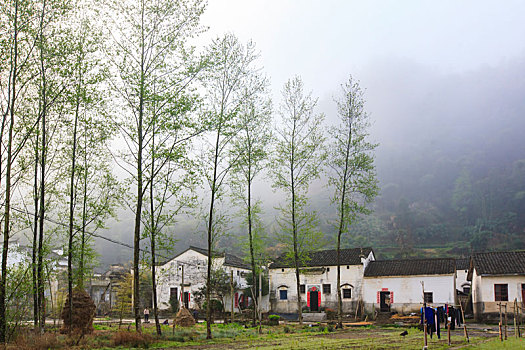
(297, 162)
(229, 83)
(252, 148)
(351, 160)
(151, 63)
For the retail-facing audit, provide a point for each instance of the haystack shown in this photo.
(184, 318)
(83, 313)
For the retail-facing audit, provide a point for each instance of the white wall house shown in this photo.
(462, 282)
(395, 285)
(318, 279)
(497, 277)
(194, 261)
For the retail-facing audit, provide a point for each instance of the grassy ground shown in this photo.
(236, 336)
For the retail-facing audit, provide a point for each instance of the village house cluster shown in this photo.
(367, 285)
(479, 283)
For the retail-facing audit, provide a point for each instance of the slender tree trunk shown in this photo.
(84, 218)
(140, 191)
(36, 306)
(153, 237)
(342, 213)
(294, 229)
(250, 237)
(40, 266)
(138, 212)
(5, 248)
(71, 210)
(7, 223)
(210, 241)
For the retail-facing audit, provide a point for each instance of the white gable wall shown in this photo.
(195, 272)
(407, 292)
(284, 279)
(484, 298)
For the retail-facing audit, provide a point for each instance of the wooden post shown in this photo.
(232, 295)
(500, 323)
(424, 316)
(519, 319)
(448, 333)
(464, 322)
(515, 314)
(260, 302)
(505, 321)
(182, 289)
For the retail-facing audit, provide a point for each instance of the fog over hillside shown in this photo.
(430, 126)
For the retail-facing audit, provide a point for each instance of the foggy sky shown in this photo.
(441, 76)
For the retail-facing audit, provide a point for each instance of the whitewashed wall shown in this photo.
(483, 295)
(407, 291)
(461, 279)
(284, 278)
(195, 270)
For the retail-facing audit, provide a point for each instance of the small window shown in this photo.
(302, 288)
(501, 292)
(282, 270)
(327, 269)
(238, 273)
(283, 294)
(347, 294)
(174, 293)
(327, 288)
(429, 297)
(348, 267)
(466, 289)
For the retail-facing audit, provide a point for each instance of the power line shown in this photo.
(93, 234)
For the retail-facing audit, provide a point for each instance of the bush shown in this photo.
(274, 320)
(37, 341)
(330, 314)
(132, 339)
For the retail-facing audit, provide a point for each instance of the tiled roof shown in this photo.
(462, 264)
(326, 258)
(409, 267)
(500, 263)
(235, 261)
(229, 259)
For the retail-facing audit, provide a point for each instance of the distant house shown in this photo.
(497, 277)
(318, 280)
(103, 288)
(396, 285)
(193, 262)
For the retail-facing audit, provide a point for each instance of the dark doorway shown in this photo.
(384, 301)
(314, 301)
(523, 293)
(186, 300)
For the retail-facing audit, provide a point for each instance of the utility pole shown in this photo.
(182, 287)
(260, 302)
(232, 295)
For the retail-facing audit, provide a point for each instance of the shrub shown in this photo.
(274, 320)
(133, 339)
(287, 329)
(330, 314)
(37, 341)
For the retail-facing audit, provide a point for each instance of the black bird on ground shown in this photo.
(404, 333)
